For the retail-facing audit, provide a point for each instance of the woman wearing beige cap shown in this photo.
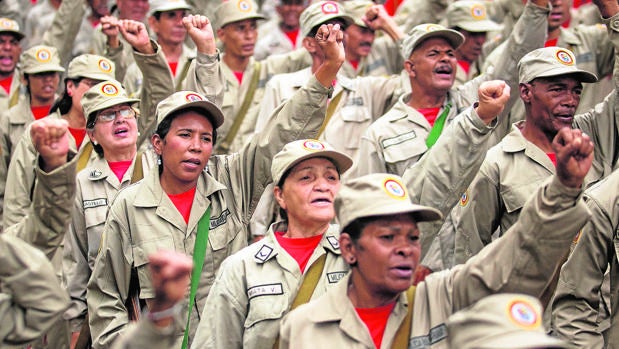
(298, 259)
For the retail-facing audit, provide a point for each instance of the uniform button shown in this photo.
(615, 24)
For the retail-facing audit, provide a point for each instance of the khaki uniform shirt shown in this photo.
(384, 59)
(97, 186)
(145, 335)
(331, 321)
(255, 288)
(272, 40)
(13, 123)
(67, 26)
(231, 187)
(122, 56)
(575, 315)
(15, 92)
(398, 139)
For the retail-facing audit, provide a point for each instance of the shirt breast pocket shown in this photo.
(354, 120)
(94, 219)
(514, 197)
(267, 305)
(141, 251)
(403, 150)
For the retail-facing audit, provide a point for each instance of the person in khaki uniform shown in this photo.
(10, 38)
(91, 69)
(470, 18)
(229, 190)
(400, 137)
(165, 21)
(509, 320)
(281, 33)
(245, 78)
(551, 85)
(264, 279)
(380, 241)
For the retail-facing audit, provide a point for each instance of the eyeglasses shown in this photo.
(88, 82)
(110, 115)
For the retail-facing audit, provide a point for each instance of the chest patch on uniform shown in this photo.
(355, 101)
(217, 221)
(95, 203)
(399, 139)
(333, 242)
(263, 253)
(95, 174)
(436, 335)
(265, 290)
(335, 276)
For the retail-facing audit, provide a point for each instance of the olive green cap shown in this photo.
(378, 194)
(470, 16)
(231, 11)
(551, 61)
(167, 5)
(8, 25)
(429, 30)
(357, 9)
(92, 67)
(501, 321)
(322, 12)
(297, 151)
(102, 96)
(189, 99)
(39, 59)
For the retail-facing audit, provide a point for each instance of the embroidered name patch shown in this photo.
(399, 139)
(217, 221)
(265, 290)
(436, 335)
(335, 276)
(95, 203)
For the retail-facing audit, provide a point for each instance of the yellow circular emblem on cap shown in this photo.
(478, 12)
(192, 97)
(433, 27)
(43, 55)
(464, 199)
(6, 23)
(109, 90)
(329, 8)
(523, 314)
(244, 6)
(313, 145)
(564, 57)
(394, 188)
(105, 65)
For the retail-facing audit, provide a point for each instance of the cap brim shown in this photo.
(19, 35)
(579, 74)
(342, 161)
(42, 69)
(455, 39)
(110, 102)
(420, 213)
(170, 8)
(209, 107)
(524, 340)
(101, 77)
(480, 26)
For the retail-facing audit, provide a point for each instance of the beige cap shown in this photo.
(322, 12)
(8, 25)
(501, 321)
(235, 10)
(297, 151)
(91, 67)
(378, 194)
(470, 16)
(102, 96)
(167, 5)
(40, 58)
(189, 99)
(551, 61)
(357, 9)
(429, 30)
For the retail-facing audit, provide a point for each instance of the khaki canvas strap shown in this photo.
(240, 116)
(402, 336)
(82, 161)
(14, 99)
(183, 75)
(330, 111)
(306, 290)
(138, 170)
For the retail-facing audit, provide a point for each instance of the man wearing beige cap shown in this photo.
(165, 21)
(379, 240)
(471, 20)
(10, 49)
(400, 137)
(550, 87)
(508, 321)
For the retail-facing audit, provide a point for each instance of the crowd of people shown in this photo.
(294, 174)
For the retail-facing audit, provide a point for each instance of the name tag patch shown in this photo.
(335, 276)
(265, 290)
(94, 203)
(399, 139)
(436, 335)
(217, 221)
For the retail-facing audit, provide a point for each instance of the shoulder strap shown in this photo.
(240, 115)
(403, 334)
(82, 161)
(183, 75)
(14, 99)
(199, 252)
(138, 170)
(436, 131)
(330, 111)
(307, 287)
